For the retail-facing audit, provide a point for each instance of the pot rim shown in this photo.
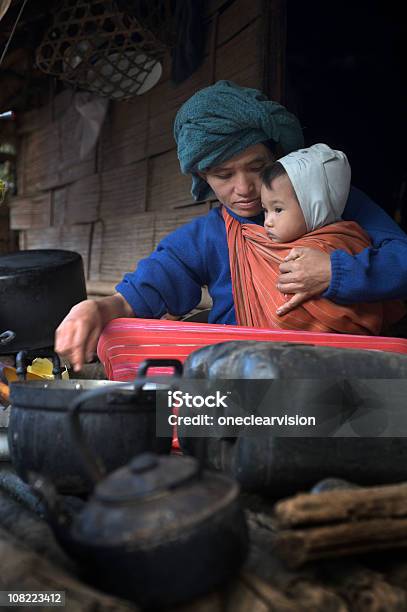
(56, 396)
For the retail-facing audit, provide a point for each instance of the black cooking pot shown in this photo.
(279, 466)
(119, 423)
(37, 290)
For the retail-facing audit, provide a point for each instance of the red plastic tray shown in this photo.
(125, 343)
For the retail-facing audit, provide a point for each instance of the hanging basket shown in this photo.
(97, 47)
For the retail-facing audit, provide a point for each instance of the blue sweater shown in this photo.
(196, 254)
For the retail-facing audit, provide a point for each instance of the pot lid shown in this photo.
(35, 259)
(145, 475)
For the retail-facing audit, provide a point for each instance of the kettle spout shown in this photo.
(46, 492)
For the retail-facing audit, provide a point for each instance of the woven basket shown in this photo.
(98, 47)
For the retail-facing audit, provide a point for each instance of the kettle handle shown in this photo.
(201, 446)
(7, 336)
(29, 355)
(92, 462)
(201, 443)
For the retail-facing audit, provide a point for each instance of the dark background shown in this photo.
(346, 82)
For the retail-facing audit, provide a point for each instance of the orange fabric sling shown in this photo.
(254, 265)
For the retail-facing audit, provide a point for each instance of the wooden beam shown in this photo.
(274, 37)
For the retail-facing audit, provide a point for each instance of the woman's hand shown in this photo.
(77, 336)
(305, 273)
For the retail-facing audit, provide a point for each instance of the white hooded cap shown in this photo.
(320, 177)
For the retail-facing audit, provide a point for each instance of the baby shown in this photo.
(303, 195)
(304, 191)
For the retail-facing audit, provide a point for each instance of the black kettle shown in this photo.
(158, 531)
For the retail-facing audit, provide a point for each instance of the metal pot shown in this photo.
(118, 422)
(279, 466)
(37, 290)
(159, 531)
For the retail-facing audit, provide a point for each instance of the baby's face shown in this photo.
(284, 221)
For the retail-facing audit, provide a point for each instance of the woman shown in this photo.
(225, 135)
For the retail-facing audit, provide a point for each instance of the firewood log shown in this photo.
(297, 546)
(342, 505)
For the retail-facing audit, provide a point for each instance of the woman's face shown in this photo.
(237, 183)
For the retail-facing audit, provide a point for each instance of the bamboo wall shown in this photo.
(115, 205)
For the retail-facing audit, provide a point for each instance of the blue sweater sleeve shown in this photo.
(170, 279)
(378, 272)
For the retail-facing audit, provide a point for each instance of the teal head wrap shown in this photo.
(223, 120)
